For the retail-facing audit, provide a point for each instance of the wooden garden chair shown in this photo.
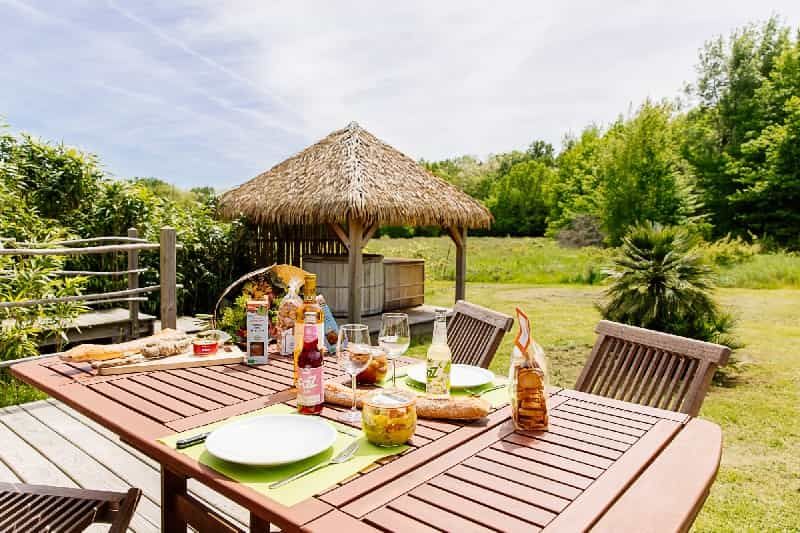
(41, 508)
(474, 333)
(651, 368)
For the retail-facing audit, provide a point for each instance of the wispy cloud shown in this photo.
(203, 92)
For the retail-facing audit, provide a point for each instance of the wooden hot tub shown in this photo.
(333, 282)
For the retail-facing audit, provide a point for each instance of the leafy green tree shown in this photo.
(739, 96)
(467, 172)
(628, 174)
(643, 176)
(55, 179)
(521, 199)
(576, 190)
(768, 177)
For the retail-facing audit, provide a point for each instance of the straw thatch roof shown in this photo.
(352, 174)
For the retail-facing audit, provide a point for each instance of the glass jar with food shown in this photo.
(376, 370)
(389, 417)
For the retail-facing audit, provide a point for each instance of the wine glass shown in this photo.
(354, 354)
(394, 338)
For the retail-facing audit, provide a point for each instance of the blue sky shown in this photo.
(212, 93)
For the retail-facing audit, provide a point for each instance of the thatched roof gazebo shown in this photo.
(353, 183)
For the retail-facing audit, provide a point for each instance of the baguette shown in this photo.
(102, 352)
(453, 408)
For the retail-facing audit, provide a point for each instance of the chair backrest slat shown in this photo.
(651, 368)
(26, 507)
(474, 333)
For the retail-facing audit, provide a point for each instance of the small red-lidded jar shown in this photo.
(205, 346)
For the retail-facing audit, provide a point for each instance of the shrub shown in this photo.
(581, 231)
(728, 251)
(659, 281)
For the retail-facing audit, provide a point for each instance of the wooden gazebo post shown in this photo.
(459, 236)
(355, 263)
(357, 236)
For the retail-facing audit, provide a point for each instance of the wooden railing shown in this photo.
(132, 245)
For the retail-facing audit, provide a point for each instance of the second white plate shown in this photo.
(270, 440)
(461, 376)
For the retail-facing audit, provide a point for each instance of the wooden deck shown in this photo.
(104, 324)
(46, 442)
(420, 319)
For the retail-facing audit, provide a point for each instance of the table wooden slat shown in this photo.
(633, 409)
(522, 478)
(477, 512)
(195, 390)
(587, 507)
(212, 384)
(562, 477)
(697, 449)
(143, 406)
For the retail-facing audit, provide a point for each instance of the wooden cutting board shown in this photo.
(184, 360)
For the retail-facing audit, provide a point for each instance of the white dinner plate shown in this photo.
(461, 376)
(269, 440)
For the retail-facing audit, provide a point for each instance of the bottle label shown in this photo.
(287, 342)
(309, 386)
(310, 332)
(438, 377)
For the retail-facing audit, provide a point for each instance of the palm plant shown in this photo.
(660, 282)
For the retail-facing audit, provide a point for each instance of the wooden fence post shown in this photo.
(168, 278)
(133, 283)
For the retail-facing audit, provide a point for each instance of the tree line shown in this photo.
(724, 158)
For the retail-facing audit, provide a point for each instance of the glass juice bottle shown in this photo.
(439, 359)
(309, 367)
(309, 306)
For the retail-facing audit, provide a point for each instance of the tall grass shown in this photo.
(502, 259)
(763, 271)
(541, 261)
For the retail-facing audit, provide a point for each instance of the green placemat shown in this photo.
(259, 478)
(498, 398)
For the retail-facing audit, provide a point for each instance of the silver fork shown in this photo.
(344, 456)
(481, 393)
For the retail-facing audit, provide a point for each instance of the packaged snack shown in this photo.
(330, 326)
(257, 332)
(528, 380)
(287, 313)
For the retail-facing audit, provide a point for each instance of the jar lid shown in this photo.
(390, 398)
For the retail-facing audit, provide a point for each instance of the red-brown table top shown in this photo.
(599, 458)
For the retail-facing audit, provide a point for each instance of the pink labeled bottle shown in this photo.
(310, 393)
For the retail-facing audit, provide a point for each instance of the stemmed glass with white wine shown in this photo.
(354, 354)
(394, 338)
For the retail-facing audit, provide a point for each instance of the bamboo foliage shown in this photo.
(352, 175)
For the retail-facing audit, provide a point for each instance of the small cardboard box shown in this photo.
(257, 332)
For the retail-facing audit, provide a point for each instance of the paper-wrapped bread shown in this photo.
(453, 408)
(177, 341)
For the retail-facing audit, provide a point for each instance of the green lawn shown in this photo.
(758, 486)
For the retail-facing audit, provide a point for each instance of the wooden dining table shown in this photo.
(603, 464)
